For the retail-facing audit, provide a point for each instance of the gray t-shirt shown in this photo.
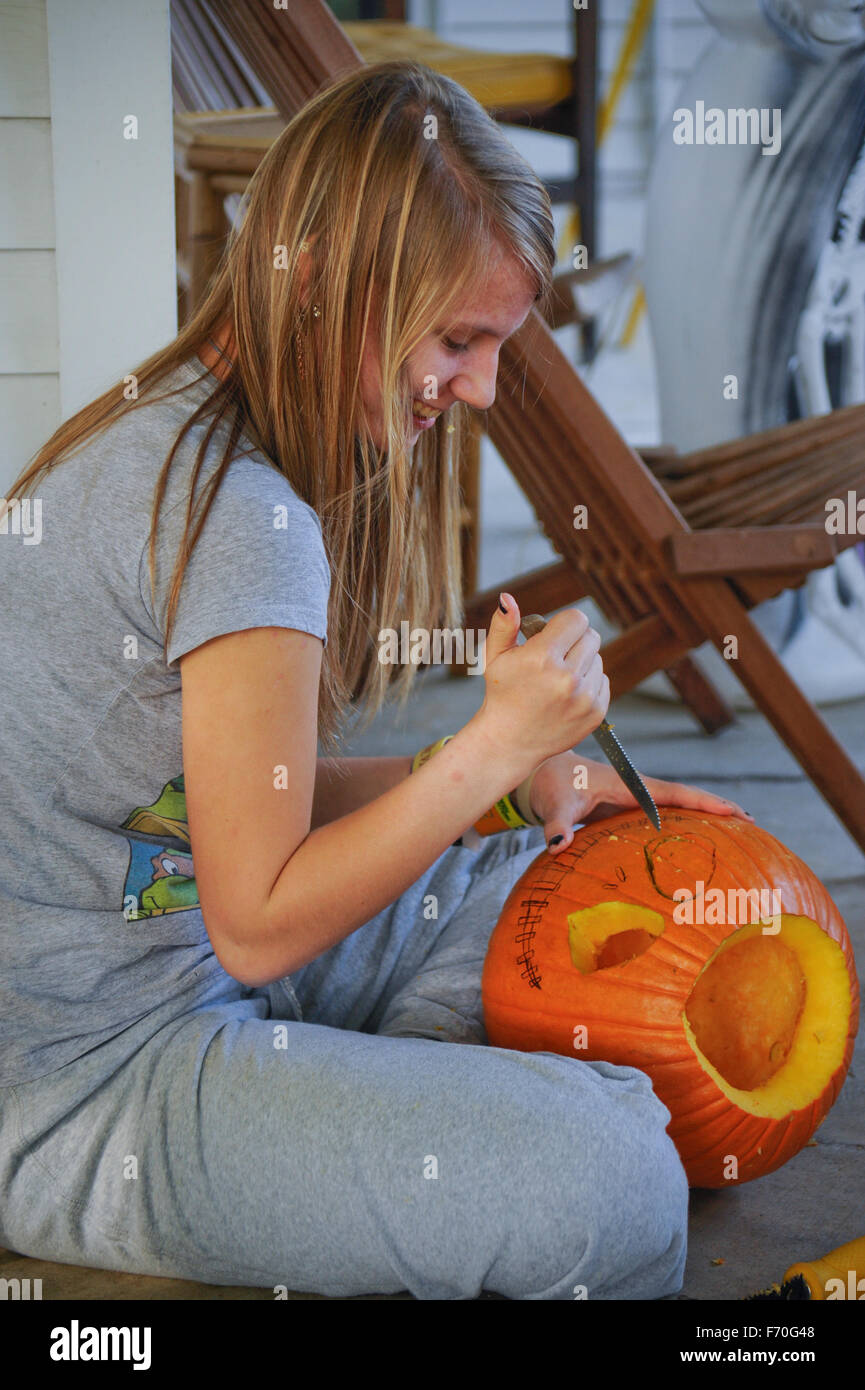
(99, 919)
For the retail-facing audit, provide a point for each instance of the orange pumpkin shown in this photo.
(706, 955)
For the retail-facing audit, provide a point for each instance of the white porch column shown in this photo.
(111, 137)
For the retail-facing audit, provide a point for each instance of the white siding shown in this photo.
(87, 260)
(29, 383)
(23, 59)
(113, 196)
(28, 313)
(26, 194)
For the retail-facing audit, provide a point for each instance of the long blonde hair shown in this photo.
(392, 206)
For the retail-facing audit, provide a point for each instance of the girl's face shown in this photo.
(459, 361)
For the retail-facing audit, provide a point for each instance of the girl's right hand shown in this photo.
(547, 694)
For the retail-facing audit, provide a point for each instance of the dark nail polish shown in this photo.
(501, 605)
(557, 839)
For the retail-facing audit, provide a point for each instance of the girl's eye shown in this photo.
(455, 347)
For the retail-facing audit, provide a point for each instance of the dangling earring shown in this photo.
(316, 314)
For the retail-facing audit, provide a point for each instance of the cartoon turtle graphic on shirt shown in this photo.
(164, 881)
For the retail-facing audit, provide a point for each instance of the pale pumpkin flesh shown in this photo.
(745, 1008)
(611, 934)
(786, 1054)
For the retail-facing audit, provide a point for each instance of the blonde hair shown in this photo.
(392, 207)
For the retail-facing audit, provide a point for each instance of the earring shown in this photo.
(316, 314)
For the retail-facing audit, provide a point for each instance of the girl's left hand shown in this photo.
(560, 806)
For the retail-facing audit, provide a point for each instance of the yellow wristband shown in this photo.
(426, 753)
(522, 798)
(503, 816)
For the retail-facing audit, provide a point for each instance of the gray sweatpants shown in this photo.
(316, 1134)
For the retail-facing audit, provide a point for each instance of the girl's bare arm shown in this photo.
(274, 892)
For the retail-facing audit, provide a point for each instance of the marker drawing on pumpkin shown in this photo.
(670, 858)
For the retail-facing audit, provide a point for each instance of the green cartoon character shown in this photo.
(165, 881)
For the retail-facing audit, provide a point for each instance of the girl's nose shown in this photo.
(475, 385)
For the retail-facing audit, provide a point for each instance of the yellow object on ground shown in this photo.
(840, 1274)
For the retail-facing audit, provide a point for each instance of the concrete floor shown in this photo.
(817, 1200)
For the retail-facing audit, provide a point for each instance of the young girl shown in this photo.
(228, 964)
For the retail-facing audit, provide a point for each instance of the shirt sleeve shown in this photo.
(260, 561)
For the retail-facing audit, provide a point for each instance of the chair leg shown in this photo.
(207, 230)
(470, 486)
(585, 84)
(699, 694)
(469, 476)
(181, 217)
(778, 697)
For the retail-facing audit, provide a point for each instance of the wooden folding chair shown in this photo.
(668, 585)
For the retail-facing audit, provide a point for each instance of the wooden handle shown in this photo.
(531, 624)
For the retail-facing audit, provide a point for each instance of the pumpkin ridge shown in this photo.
(705, 936)
(638, 985)
(777, 847)
(746, 853)
(713, 1140)
(743, 848)
(775, 1142)
(771, 1150)
(756, 866)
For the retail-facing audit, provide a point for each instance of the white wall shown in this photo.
(29, 381)
(87, 258)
